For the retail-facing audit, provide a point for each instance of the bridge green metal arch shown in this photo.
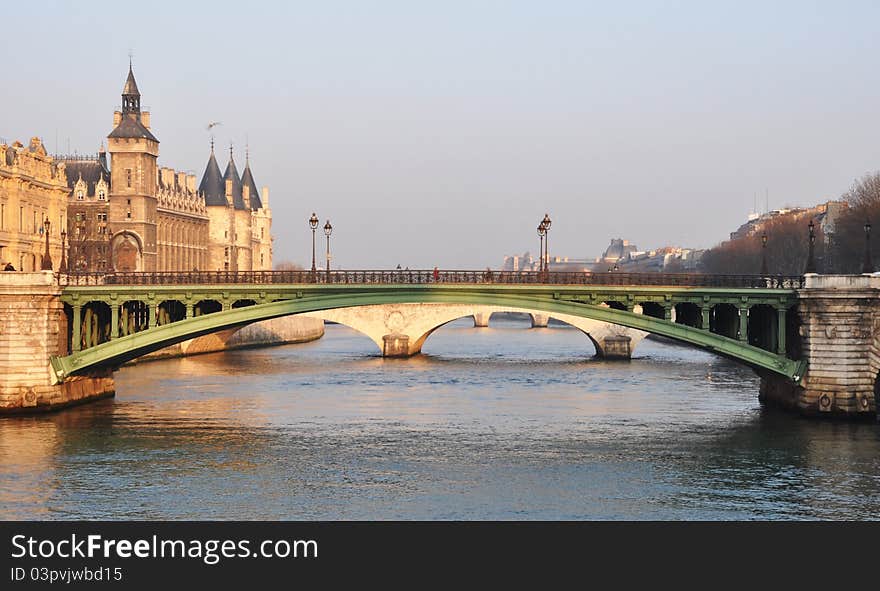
(123, 349)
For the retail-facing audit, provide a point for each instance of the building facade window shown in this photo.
(128, 177)
(80, 196)
(102, 195)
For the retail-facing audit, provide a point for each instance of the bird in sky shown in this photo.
(214, 124)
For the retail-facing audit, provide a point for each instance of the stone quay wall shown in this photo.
(277, 331)
(33, 327)
(840, 330)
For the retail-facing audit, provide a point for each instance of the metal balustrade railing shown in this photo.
(427, 277)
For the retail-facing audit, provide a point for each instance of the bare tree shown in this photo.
(863, 199)
(787, 249)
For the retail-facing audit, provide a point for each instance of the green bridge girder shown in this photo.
(273, 301)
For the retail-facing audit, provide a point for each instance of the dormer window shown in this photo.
(102, 195)
(80, 196)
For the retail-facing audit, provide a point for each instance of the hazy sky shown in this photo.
(439, 133)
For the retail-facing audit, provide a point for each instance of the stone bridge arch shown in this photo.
(400, 330)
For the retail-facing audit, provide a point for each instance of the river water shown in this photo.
(500, 423)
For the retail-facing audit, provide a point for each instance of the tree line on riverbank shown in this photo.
(839, 245)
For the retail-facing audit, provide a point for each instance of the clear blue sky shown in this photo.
(439, 133)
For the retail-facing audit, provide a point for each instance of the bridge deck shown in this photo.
(427, 277)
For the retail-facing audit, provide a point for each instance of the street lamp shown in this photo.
(542, 230)
(867, 264)
(328, 229)
(313, 224)
(811, 261)
(63, 266)
(547, 223)
(764, 254)
(47, 260)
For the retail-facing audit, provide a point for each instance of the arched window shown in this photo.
(102, 195)
(80, 195)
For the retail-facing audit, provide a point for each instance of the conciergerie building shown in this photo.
(127, 213)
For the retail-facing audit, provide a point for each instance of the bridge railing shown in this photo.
(423, 277)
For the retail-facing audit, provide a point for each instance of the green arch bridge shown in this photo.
(114, 318)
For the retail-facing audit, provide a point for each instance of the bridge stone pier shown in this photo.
(33, 327)
(481, 319)
(400, 330)
(540, 320)
(840, 339)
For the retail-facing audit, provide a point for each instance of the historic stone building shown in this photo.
(240, 219)
(88, 234)
(33, 190)
(133, 215)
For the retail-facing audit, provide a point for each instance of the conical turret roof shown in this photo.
(247, 180)
(232, 174)
(212, 186)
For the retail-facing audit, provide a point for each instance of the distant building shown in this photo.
(621, 255)
(825, 215)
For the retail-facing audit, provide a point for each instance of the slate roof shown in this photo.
(232, 173)
(131, 86)
(90, 170)
(212, 185)
(130, 127)
(247, 180)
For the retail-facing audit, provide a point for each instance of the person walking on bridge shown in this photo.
(436, 274)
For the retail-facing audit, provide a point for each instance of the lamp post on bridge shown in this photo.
(867, 263)
(541, 232)
(63, 265)
(46, 264)
(313, 224)
(547, 223)
(811, 261)
(764, 272)
(328, 229)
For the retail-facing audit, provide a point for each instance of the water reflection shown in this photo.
(498, 423)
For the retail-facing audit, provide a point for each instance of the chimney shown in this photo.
(167, 176)
(191, 183)
(181, 180)
(246, 196)
(145, 119)
(117, 118)
(265, 197)
(229, 192)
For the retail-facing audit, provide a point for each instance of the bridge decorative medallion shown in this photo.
(747, 322)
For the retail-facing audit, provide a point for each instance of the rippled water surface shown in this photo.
(497, 423)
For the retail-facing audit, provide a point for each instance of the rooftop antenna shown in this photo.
(767, 200)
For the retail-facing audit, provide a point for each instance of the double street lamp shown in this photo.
(544, 232)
